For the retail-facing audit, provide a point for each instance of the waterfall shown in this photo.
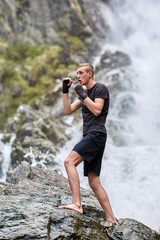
(130, 174)
(5, 156)
(137, 33)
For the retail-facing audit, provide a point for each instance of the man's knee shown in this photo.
(67, 162)
(94, 181)
(73, 159)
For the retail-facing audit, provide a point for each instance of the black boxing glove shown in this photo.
(65, 87)
(80, 91)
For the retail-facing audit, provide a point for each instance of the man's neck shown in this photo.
(90, 84)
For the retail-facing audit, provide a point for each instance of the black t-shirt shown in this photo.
(90, 121)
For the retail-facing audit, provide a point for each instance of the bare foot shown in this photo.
(73, 207)
(113, 221)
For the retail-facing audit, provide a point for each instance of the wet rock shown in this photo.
(29, 210)
(115, 70)
(38, 137)
(23, 172)
(114, 60)
(131, 229)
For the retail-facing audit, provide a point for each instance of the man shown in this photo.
(95, 104)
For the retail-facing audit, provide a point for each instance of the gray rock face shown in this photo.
(29, 210)
(37, 139)
(44, 21)
(115, 70)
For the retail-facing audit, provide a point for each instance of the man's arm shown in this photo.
(68, 107)
(94, 106)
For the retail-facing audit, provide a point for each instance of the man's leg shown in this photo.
(95, 184)
(71, 162)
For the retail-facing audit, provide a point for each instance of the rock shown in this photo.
(23, 172)
(115, 70)
(29, 210)
(37, 136)
(131, 229)
(24, 114)
(114, 60)
(45, 21)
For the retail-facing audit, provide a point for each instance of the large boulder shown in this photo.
(29, 210)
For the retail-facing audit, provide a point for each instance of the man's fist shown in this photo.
(80, 91)
(66, 85)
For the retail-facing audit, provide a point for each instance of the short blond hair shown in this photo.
(89, 67)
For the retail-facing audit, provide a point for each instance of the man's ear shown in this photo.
(90, 73)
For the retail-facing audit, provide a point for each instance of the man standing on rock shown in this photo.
(94, 102)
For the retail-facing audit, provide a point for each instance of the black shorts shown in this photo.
(91, 148)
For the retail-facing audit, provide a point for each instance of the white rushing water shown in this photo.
(136, 32)
(130, 174)
(5, 152)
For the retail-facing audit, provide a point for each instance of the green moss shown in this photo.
(45, 81)
(54, 51)
(16, 101)
(22, 50)
(6, 190)
(33, 100)
(2, 40)
(1, 56)
(72, 67)
(12, 111)
(32, 91)
(59, 71)
(76, 45)
(77, 5)
(27, 72)
(20, 1)
(18, 126)
(15, 78)
(2, 119)
(7, 71)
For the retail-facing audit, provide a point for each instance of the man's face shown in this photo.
(83, 76)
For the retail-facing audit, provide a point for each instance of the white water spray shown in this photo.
(6, 156)
(131, 174)
(136, 32)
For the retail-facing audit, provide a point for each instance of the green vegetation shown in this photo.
(75, 44)
(27, 72)
(78, 6)
(20, 51)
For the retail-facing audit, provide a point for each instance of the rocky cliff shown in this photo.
(41, 42)
(29, 210)
(48, 21)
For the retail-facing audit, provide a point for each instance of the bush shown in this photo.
(6, 72)
(21, 51)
